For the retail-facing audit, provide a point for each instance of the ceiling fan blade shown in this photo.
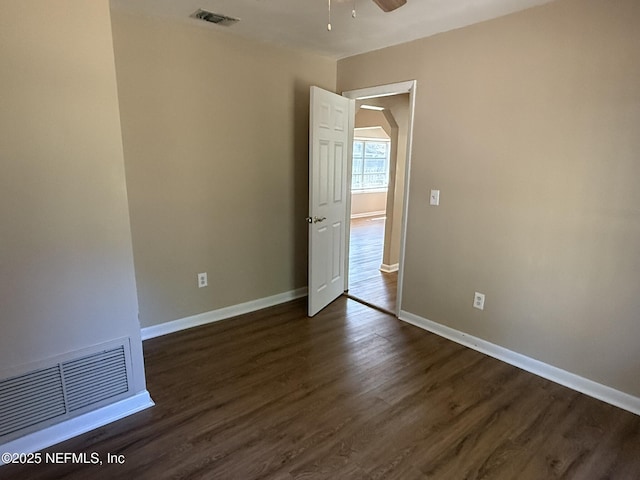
(390, 5)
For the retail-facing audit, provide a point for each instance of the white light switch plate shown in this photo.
(434, 198)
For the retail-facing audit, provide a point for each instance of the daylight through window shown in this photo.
(370, 164)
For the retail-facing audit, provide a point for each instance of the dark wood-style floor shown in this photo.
(352, 393)
(366, 281)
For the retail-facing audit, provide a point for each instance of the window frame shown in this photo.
(375, 188)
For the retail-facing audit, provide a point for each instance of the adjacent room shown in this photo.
(196, 283)
(377, 199)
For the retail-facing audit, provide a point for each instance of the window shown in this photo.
(370, 164)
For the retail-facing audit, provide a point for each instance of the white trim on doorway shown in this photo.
(385, 91)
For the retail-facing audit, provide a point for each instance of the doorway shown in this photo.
(384, 117)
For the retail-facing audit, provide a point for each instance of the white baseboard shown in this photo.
(571, 380)
(389, 268)
(380, 213)
(220, 314)
(73, 427)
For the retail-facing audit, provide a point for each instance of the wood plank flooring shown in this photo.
(366, 281)
(352, 393)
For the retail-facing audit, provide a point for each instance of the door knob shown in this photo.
(315, 219)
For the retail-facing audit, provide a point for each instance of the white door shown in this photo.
(330, 133)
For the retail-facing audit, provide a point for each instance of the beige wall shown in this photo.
(66, 265)
(528, 125)
(368, 203)
(398, 106)
(215, 132)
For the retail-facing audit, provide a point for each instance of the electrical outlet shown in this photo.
(202, 280)
(478, 301)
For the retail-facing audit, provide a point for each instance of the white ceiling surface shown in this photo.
(302, 24)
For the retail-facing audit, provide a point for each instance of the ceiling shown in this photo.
(302, 24)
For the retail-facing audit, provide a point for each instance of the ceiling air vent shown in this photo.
(216, 18)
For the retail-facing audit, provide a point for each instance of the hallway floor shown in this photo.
(366, 281)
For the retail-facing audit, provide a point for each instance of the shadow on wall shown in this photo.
(301, 180)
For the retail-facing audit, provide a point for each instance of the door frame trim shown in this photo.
(385, 91)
